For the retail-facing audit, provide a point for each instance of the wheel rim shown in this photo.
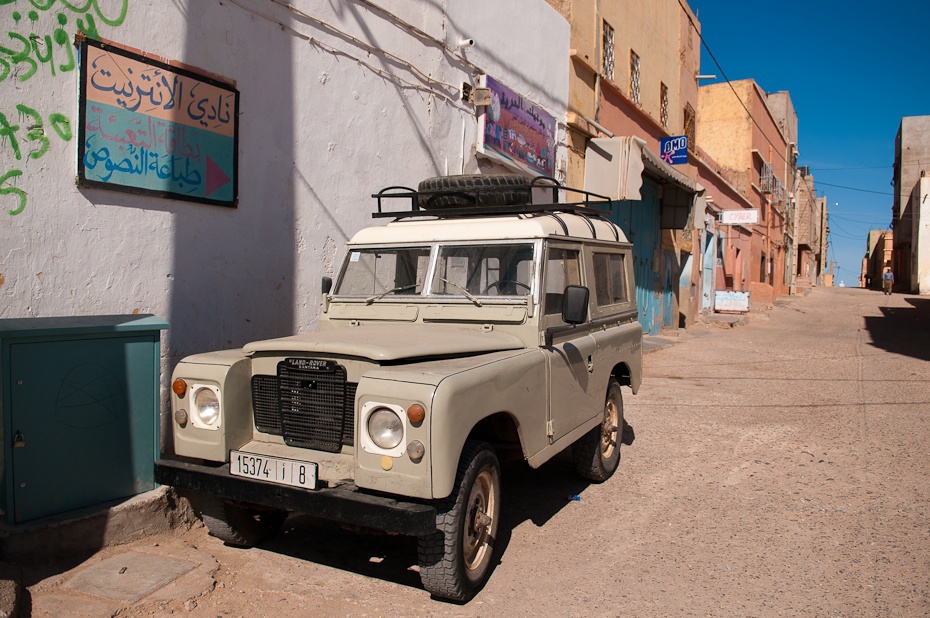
(479, 520)
(610, 429)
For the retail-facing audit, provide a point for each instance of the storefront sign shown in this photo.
(728, 300)
(674, 150)
(518, 131)
(745, 216)
(153, 128)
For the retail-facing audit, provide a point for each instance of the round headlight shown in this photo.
(385, 428)
(207, 406)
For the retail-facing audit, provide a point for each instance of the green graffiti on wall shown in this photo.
(36, 41)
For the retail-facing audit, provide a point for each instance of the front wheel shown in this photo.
(597, 453)
(239, 524)
(455, 561)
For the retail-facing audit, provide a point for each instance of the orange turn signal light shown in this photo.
(179, 387)
(416, 413)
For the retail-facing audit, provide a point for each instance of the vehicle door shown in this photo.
(617, 331)
(571, 350)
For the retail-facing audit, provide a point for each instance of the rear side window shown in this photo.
(563, 267)
(610, 285)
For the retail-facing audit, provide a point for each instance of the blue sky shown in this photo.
(853, 70)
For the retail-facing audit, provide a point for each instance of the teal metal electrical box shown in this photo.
(80, 399)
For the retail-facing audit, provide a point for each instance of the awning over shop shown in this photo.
(614, 167)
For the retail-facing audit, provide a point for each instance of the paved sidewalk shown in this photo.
(56, 541)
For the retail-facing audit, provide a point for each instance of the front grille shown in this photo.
(309, 402)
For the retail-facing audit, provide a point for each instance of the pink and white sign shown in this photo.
(746, 216)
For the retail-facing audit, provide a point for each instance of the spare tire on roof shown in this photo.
(473, 190)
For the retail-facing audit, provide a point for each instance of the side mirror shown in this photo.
(575, 304)
(327, 284)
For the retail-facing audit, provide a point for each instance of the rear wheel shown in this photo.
(456, 560)
(239, 524)
(597, 453)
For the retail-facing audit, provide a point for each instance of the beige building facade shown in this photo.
(911, 212)
(745, 137)
(633, 83)
(807, 233)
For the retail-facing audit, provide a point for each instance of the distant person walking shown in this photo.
(887, 281)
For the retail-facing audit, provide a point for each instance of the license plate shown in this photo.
(273, 469)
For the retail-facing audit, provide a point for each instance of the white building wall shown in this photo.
(921, 239)
(326, 118)
(337, 100)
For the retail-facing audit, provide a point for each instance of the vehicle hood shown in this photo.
(391, 342)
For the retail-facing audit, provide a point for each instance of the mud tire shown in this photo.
(597, 453)
(473, 190)
(237, 524)
(457, 559)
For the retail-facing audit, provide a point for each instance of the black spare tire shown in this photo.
(473, 190)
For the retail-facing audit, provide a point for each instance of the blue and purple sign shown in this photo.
(518, 130)
(674, 150)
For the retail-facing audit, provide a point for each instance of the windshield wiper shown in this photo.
(464, 291)
(402, 288)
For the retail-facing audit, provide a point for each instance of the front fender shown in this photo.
(516, 385)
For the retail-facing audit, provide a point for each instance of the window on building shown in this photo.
(634, 78)
(689, 125)
(663, 105)
(607, 66)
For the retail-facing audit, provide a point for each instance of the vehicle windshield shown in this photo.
(375, 273)
(484, 270)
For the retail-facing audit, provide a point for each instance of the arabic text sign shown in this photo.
(519, 130)
(745, 216)
(728, 300)
(148, 127)
(674, 150)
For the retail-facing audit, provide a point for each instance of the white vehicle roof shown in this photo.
(510, 227)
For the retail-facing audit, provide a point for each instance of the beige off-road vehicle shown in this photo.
(492, 318)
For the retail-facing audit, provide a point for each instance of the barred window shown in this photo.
(689, 125)
(634, 78)
(663, 104)
(608, 60)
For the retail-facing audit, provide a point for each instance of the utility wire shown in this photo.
(840, 169)
(827, 184)
(730, 84)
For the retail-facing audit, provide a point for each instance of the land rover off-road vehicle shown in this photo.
(478, 325)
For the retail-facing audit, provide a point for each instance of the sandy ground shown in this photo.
(777, 469)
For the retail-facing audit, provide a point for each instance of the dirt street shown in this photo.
(777, 469)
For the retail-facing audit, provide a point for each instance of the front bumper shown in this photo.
(344, 504)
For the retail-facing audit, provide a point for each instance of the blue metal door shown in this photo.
(670, 268)
(639, 220)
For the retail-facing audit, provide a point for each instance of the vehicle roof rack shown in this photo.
(591, 204)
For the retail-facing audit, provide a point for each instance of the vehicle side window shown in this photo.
(563, 267)
(609, 279)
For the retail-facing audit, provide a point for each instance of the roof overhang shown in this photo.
(615, 167)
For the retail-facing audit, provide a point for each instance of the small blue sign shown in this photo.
(674, 149)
